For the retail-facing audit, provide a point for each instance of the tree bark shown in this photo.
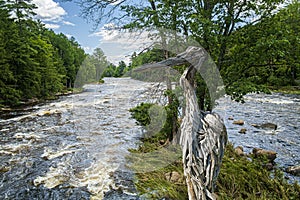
(203, 136)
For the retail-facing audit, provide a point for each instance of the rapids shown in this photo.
(76, 147)
(73, 148)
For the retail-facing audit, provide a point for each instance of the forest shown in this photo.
(35, 61)
(254, 45)
(252, 55)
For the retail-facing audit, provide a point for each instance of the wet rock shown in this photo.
(243, 131)
(230, 118)
(239, 122)
(269, 126)
(295, 170)
(4, 169)
(269, 166)
(270, 155)
(255, 125)
(239, 150)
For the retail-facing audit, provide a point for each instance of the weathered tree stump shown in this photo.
(202, 136)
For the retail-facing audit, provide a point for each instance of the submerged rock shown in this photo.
(230, 118)
(239, 122)
(243, 131)
(295, 170)
(265, 126)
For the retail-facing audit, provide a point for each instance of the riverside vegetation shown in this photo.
(252, 55)
(241, 177)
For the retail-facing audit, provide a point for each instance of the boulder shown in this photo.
(239, 122)
(243, 131)
(174, 177)
(270, 155)
(268, 126)
(295, 170)
(239, 151)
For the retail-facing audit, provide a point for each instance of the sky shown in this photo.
(64, 17)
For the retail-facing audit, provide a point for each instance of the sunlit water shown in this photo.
(75, 148)
(279, 109)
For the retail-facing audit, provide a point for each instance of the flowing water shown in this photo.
(279, 109)
(75, 148)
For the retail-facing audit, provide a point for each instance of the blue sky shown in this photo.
(64, 17)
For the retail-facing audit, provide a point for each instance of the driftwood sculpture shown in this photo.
(202, 136)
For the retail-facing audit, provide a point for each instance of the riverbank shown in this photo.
(286, 90)
(242, 176)
(30, 105)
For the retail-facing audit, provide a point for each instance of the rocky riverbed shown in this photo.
(270, 122)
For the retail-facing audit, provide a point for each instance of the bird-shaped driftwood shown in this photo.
(202, 136)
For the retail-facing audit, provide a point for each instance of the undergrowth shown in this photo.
(240, 177)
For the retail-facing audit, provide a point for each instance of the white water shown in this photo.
(77, 142)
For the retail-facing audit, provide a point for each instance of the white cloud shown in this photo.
(119, 45)
(87, 49)
(116, 2)
(48, 10)
(117, 58)
(68, 35)
(68, 23)
(52, 26)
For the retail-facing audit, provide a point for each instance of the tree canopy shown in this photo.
(255, 44)
(35, 62)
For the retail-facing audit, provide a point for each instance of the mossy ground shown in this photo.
(240, 178)
(153, 184)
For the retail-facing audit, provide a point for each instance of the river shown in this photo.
(75, 147)
(280, 109)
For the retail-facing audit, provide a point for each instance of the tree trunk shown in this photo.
(202, 136)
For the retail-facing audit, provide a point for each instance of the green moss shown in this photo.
(246, 178)
(153, 184)
(239, 178)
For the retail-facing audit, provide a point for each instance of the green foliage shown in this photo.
(154, 185)
(243, 179)
(266, 53)
(109, 71)
(101, 81)
(35, 62)
(149, 56)
(116, 71)
(141, 113)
